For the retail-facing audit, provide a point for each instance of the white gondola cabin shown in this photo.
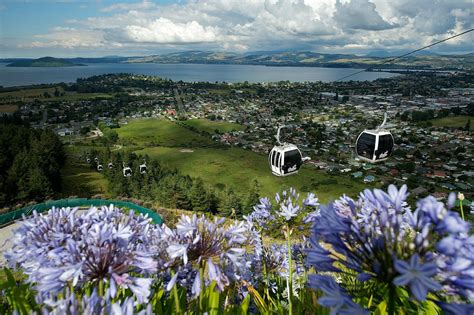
(100, 168)
(111, 165)
(127, 171)
(375, 145)
(143, 168)
(285, 159)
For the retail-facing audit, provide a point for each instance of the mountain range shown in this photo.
(285, 58)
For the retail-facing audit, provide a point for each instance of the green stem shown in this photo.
(176, 297)
(201, 280)
(290, 272)
(462, 211)
(391, 299)
(101, 287)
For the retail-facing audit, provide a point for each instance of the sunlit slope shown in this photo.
(223, 167)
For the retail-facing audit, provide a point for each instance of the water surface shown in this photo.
(15, 76)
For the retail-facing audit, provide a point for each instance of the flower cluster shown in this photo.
(199, 251)
(290, 211)
(380, 240)
(100, 248)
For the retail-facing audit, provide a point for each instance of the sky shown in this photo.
(94, 28)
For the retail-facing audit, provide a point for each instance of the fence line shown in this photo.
(9, 217)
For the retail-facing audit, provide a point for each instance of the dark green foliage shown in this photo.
(230, 204)
(252, 198)
(199, 196)
(16, 295)
(30, 163)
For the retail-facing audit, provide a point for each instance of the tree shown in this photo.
(199, 197)
(468, 125)
(230, 205)
(252, 198)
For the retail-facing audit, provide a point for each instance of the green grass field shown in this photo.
(155, 132)
(37, 94)
(453, 122)
(211, 126)
(237, 168)
(78, 179)
(233, 167)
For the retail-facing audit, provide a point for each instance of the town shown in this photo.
(428, 114)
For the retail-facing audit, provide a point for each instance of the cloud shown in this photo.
(360, 15)
(248, 25)
(164, 31)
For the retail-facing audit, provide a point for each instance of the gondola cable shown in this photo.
(406, 54)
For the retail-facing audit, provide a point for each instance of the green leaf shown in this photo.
(381, 308)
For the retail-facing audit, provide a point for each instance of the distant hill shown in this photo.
(313, 59)
(423, 60)
(44, 62)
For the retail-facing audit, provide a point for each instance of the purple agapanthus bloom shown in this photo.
(200, 244)
(335, 298)
(380, 239)
(417, 275)
(63, 248)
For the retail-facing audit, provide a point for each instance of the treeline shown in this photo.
(168, 187)
(30, 163)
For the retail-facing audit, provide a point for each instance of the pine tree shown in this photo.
(230, 205)
(252, 198)
(199, 197)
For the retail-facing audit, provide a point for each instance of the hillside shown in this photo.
(312, 59)
(44, 62)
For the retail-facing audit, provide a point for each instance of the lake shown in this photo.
(13, 76)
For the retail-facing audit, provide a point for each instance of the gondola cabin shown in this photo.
(111, 165)
(375, 145)
(143, 168)
(127, 171)
(285, 160)
(100, 168)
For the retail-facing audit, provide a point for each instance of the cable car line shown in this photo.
(407, 54)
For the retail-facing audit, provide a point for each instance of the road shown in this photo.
(179, 102)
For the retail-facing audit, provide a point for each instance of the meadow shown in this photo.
(221, 166)
(453, 122)
(39, 94)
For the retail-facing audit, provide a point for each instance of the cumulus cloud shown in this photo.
(360, 15)
(246, 25)
(164, 31)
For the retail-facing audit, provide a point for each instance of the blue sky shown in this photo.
(98, 28)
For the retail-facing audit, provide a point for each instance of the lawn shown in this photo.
(78, 178)
(155, 132)
(211, 126)
(38, 94)
(8, 108)
(453, 122)
(237, 168)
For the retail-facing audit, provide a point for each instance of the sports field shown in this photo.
(222, 167)
(454, 122)
(212, 126)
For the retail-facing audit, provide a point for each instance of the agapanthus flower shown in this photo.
(378, 238)
(417, 275)
(63, 248)
(198, 244)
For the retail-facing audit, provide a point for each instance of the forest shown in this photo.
(30, 163)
